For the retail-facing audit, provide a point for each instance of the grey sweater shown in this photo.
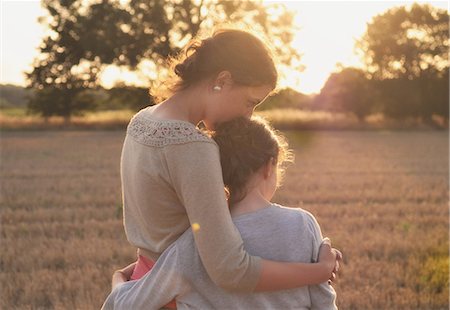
(275, 233)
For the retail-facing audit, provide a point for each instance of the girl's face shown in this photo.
(232, 101)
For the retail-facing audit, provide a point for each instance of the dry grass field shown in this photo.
(289, 119)
(381, 196)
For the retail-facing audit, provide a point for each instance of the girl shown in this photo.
(171, 174)
(252, 155)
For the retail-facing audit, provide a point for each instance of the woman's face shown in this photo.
(233, 101)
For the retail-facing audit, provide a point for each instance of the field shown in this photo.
(381, 196)
(290, 119)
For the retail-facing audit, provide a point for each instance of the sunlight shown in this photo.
(326, 38)
(112, 75)
(327, 35)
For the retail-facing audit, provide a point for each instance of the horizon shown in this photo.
(348, 18)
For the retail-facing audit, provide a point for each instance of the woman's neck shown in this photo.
(184, 105)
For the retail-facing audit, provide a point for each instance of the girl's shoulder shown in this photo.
(162, 132)
(296, 212)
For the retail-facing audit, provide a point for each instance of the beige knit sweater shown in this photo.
(171, 178)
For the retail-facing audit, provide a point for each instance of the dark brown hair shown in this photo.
(245, 56)
(245, 146)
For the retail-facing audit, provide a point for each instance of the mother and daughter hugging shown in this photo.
(200, 246)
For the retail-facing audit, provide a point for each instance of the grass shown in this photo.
(286, 119)
(13, 112)
(18, 119)
(381, 196)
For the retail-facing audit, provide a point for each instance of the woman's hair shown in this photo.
(245, 56)
(245, 146)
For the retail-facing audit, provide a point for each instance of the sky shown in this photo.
(322, 44)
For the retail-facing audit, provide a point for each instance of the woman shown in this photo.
(171, 174)
(252, 156)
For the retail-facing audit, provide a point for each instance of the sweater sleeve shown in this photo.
(195, 172)
(155, 289)
(323, 296)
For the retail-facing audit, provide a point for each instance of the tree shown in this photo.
(405, 43)
(435, 91)
(286, 98)
(87, 36)
(13, 96)
(52, 100)
(347, 91)
(134, 98)
(399, 98)
(406, 54)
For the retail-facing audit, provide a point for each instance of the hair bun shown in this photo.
(185, 69)
(241, 53)
(180, 69)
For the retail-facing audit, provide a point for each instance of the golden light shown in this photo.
(326, 38)
(327, 35)
(195, 227)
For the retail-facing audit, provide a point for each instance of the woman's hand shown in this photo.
(122, 275)
(330, 257)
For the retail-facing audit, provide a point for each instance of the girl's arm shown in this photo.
(196, 175)
(154, 290)
(122, 275)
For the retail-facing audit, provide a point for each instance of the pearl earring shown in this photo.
(217, 88)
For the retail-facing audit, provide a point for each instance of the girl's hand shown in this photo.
(330, 257)
(122, 275)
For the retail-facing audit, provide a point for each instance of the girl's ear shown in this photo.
(269, 168)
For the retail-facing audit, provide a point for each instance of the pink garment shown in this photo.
(144, 265)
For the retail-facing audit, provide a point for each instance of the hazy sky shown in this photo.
(326, 37)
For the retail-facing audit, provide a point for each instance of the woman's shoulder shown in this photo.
(163, 132)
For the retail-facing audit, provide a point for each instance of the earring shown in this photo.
(217, 88)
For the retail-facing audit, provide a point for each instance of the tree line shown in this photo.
(119, 97)
(406, 70)
(405, 52)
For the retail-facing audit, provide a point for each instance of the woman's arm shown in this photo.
(195, 172)
(322, 295)
(272, 276)
(282, 275)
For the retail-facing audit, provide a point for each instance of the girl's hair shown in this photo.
(245, 56)
(245, 146)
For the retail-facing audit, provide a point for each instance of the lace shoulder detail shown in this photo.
(164, 132)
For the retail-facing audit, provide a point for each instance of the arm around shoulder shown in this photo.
(195, 172)
(196, 175)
